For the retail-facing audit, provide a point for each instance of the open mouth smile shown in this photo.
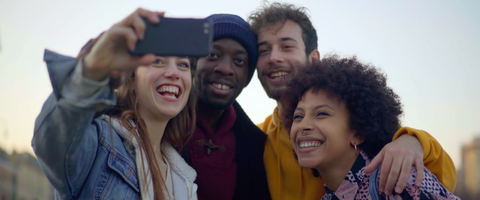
(308, 144)
(221, 86)
(169, 92)
(277, 74)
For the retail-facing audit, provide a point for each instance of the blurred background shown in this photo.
(429, 50)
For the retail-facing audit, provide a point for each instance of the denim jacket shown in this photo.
(88, 157)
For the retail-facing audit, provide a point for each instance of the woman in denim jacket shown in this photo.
(132, 151)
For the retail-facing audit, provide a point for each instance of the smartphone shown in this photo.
(176, 37)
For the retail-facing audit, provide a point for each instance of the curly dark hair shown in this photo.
(373, 106)
(270, 15)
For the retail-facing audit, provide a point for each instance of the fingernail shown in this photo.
(398, 190)
(381, 189)
(157, 19)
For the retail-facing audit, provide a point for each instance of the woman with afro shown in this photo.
(340, 113)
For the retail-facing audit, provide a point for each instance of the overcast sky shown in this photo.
(429, 50)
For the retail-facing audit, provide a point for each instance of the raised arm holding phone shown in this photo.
(131, 152)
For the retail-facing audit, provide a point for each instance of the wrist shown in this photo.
(412, 139)
(91, 72)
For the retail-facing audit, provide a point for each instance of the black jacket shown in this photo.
(250, 144)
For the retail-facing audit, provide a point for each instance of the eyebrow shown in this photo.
(262, 43)
(216, 46)
(323, 105)
(317, 107)
(288, 39)
(238, 51)
(185, 57)
(281, 39)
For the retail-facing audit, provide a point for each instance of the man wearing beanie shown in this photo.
(226, 148)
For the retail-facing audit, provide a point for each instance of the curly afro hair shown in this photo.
(373, 106)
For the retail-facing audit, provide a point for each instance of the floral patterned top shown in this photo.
(356, 186)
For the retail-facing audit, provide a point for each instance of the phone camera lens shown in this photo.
(206, 25)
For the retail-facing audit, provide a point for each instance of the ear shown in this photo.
(314, 55)
(357, 140)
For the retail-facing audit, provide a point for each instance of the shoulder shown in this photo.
(241, 116)
(245, 125)
(265, 124)
(104, 128)
(114, 137)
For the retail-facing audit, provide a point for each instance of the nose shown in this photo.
(275, 56)
(224, 67)
(172, 71)
(305, 125)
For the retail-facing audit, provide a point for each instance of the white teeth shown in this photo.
(310, 144)
(278, 74)
(169, 88)
(221, 86)
(170, 96)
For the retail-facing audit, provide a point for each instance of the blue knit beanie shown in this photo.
(234, 27)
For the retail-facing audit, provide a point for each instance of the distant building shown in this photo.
(7, 178)
(21, 178)
(468, 182)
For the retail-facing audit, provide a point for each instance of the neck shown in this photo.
(333, 174)
(211, 116)
(279, 105)
(156, 130)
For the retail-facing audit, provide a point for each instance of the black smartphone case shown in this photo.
(176, 37)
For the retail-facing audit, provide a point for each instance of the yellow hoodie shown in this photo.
(287, 180)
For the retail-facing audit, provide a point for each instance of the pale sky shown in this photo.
(429, 50)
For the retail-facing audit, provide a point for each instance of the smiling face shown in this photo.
(281, 51)
(222, 75)
(163, 88)
(328, 137)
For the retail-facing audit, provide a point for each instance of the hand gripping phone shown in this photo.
(176, 37)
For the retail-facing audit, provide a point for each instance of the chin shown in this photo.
(220, 104)
(276, 93)
(308, 162)
(170, 113)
